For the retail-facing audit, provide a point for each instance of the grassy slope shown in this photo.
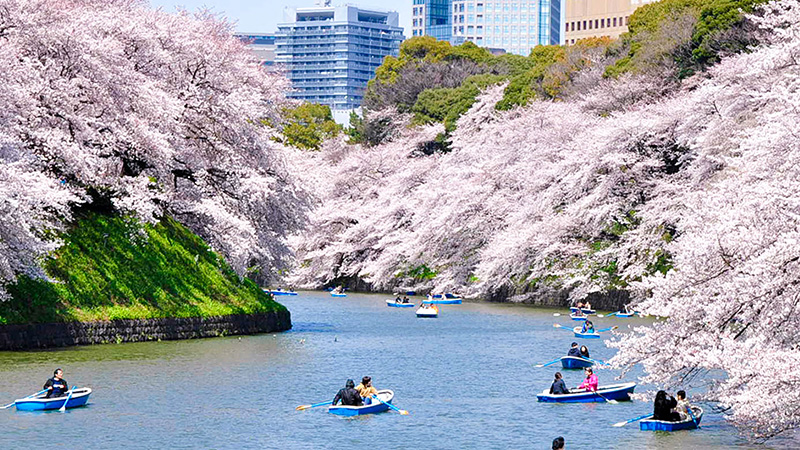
(115, 268)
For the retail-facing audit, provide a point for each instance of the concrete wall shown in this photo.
(23, 337)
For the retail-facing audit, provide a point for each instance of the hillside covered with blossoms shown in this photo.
(687, 197)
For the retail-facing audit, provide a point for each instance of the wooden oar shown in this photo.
(64, 406)
(607, 329)
(622, 424)
(15, 402)
(401, 411)
(551, 362)
(304, 407)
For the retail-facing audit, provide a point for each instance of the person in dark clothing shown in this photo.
(663, 406)
(56, 386)
(558, 387)
(558, 443)
(348, 395)
(584, 351)
(574, 351)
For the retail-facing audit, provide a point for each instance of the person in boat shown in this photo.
(398, 299)
(578, 313)
(584, 351)
(405, 299)
(587, 305)
(348, 395)
(588, 327)
(683, 407)
(558, 443)
(366, 390)
(56, 386)
(558, 387)
(663, 407)
(579, 305)
(590, 382)
(574, 351)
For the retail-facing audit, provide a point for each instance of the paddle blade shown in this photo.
(600, 315)
(556, 314)
(620, 424)
(302, 407)
(613, 402)
(403, 412)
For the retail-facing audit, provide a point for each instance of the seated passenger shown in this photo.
(348, 395)
(590, 382)
(588, 327)
(683, 407)
(573, 351)
(587, 305)
(558, 387)
(366, 390)
(663, 406)
(405, 299)
(584, 351)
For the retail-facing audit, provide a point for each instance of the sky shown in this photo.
(262, 16)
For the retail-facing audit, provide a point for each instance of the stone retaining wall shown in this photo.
(24, 337)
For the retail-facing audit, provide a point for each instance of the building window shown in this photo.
(596, 23)
(602, 23)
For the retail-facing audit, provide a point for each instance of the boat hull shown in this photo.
(281, 292)
(621, 392)
(585, 310)
(333, 294)
(394, 304)
(40, 403)
(449, 301)
(574, 362)
(663, 425)
(376, 407)
(577, 332)
(428, 312)
(625, 315)
(574, 317)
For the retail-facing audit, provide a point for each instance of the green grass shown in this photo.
(116, 268)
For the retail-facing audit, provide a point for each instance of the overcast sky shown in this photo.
(264, 15)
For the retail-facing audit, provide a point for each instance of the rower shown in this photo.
(348, 395)
(56, 386)
(588, 327)
(663, 407)
(574, 351)
(558, 387)
(590, 383)
(366, 390)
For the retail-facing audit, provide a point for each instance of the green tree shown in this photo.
(307, 126)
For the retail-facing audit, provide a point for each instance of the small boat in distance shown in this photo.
(376, 407)
(279, 292)
(41, 403)
(585, 335)
(395, 304)
(575, 316)
(427, 310)
(575, 362)
(664, 425)
(444, 299)
(621, 392)
(586, 311)
(338, 291)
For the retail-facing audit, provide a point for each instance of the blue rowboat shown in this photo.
(376, 407)
(585, 310)
(280, 292)
(336, 294)
(446, 299)
(575, 317)
(593, 335)
(621, 392)
(40, 403)
(624, 314)
(394, 304)
(663, 425)
(574, 362)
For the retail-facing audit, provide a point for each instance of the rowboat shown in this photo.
(395, 304)
(376, 407)
(574, 316)
(338, 294)
(447, 299)
(41, 403)
(585, 310)
(624, 314)
(280, 292)
(575, 362)
(611, 392)
(664, 425)
(426, 310)
(592, 335)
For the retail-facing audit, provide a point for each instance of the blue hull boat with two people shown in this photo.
(620, 392)
(587, 311)
(375, 407)
(575, 362)
(444, 299)
(664, 425)
(396, 304)
(280, 292)
(39, 402)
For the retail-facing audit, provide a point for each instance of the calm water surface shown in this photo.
(467, 379)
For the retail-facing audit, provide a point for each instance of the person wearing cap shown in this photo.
(56, 386)
(558, 387)
(366, 390)
(574, 350)
(348, 395)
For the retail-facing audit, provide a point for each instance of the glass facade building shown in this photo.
(432, 18)
(330, 53)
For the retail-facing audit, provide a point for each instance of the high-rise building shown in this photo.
(432, 18)
(598, 18)
(330, 53)
(261, 44)
(513, 25)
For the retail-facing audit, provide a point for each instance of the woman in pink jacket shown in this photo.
(590, 383)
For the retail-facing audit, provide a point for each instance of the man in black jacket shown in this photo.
(56, 386)
(574, 350)
(348, 395)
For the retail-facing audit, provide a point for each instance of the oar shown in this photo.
(64, 406)
(689, 409)
(401, 411)
(613, 402)
(547, 364)
(15, 402)
(304, 407)
(608, 315)
(562, 326)
(607, 329)
(597, 361)
(622, 424)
